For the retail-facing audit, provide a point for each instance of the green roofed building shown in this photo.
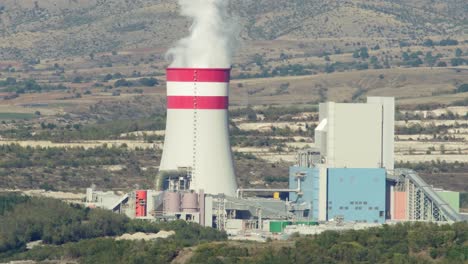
(452, 198)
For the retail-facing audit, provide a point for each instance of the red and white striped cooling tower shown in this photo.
(197, 128)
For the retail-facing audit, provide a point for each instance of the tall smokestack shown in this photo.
(197, 128)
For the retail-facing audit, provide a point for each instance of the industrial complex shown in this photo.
(347, 179)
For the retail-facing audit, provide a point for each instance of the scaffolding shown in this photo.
(423, 203)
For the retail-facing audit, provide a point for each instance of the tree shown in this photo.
(458, 52)
(150, 82)
(462, 88)
(404, 44)
(356, 54)
(429, 59)
(329, 68)
(122, 82)
(108, 77)
(364, 53)
(78, 79)
(416, 62)
(258, 60)
(10, 81)
(283, 56)
(251, 114)
(428, 43)
(405, 56)
(457, 61)
(448, 42)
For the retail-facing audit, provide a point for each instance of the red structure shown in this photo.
(140, 203)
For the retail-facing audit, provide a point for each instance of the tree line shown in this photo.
(16, 156)
(28, 86)
(103, 130)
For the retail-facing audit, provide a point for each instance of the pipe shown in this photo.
(297, 190)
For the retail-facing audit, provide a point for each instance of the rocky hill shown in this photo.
(58, 28)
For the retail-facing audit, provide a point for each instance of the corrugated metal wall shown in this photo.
(452, 198)
(310, 188)
(357, 195)
(400, 206)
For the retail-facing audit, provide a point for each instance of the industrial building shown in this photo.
(345, 128)
(356, 195)
(348, 178)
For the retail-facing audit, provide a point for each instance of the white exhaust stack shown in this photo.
(197, 128)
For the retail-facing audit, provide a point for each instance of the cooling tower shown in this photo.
(197, 128)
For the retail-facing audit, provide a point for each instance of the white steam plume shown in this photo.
(212, 36)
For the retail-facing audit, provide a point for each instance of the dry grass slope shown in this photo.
(61, 28)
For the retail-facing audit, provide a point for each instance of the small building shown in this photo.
(451, 198)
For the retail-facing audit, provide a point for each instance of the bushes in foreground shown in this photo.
(57, 223)
(401, 243)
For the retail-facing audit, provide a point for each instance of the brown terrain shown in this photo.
(292, 53)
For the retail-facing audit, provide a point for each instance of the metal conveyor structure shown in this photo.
(423, 203)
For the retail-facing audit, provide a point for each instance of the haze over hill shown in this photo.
(79, 27)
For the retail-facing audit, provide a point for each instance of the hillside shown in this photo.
(77, 74)
(79, 27)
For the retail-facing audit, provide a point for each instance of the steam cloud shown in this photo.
(212, 36)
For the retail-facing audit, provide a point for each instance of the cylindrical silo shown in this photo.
(189, 202)
(197, 128)
(171, 202)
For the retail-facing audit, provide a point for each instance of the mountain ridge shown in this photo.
(79, 27)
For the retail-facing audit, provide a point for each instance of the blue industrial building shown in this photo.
(309, 178)
(352, 194)
(356, 195)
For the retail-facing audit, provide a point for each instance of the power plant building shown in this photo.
(357, 135)
(346, 171)
(347, 179)
(356, 195)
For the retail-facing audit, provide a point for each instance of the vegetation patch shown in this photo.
(16, 116)
(401, 243)
(57, 224)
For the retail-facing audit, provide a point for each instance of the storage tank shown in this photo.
(197, 128)
(190, 202)
(171, 202)
(140, 203)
